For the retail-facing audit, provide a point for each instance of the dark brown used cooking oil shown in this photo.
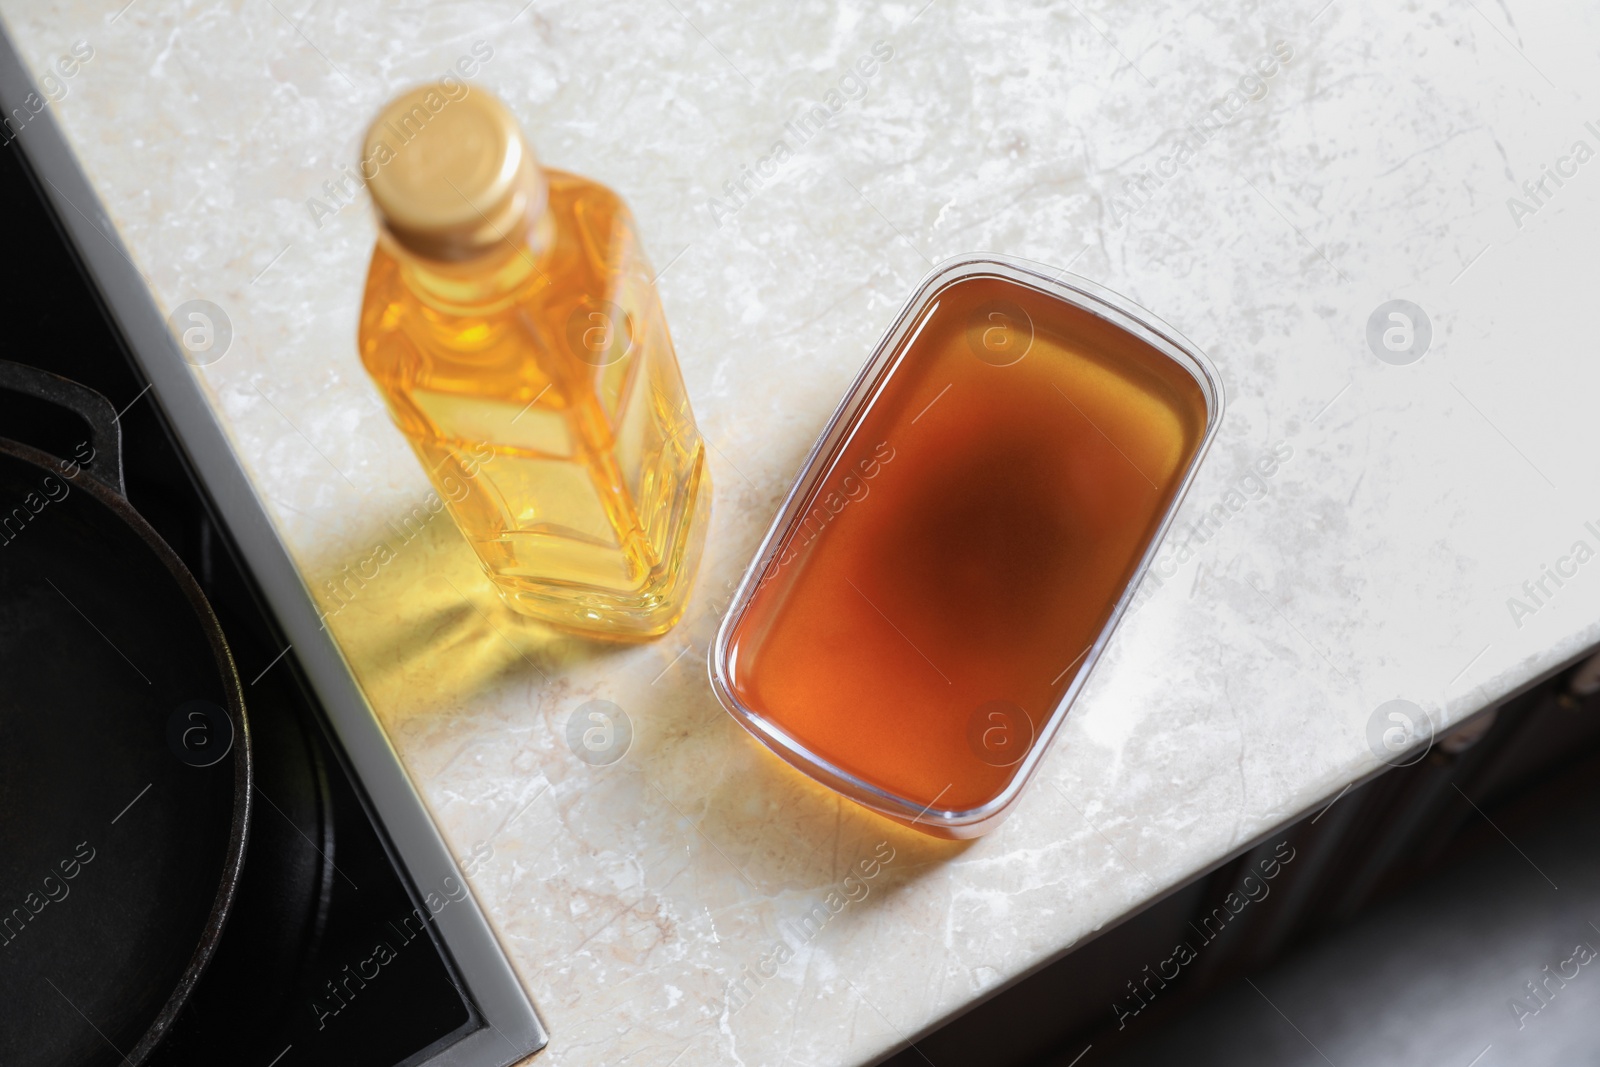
(967, 542)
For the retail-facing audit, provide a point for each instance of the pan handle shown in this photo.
(105, 433)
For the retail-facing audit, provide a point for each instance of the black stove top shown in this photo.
(329, 956)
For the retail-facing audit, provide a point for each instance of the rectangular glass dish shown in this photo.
(963, 539)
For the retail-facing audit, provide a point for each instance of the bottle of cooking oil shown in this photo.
(512, 324)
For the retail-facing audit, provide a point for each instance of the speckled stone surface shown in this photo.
(1378, 561)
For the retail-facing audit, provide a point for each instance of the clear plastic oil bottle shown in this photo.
(512, 324)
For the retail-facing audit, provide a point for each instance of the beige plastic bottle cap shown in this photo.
(450, 173)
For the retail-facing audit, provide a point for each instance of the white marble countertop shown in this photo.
(1378, 561)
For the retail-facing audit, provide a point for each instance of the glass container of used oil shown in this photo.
(968, 531)
(512, 324)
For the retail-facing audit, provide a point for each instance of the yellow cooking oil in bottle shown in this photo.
(512, 324)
